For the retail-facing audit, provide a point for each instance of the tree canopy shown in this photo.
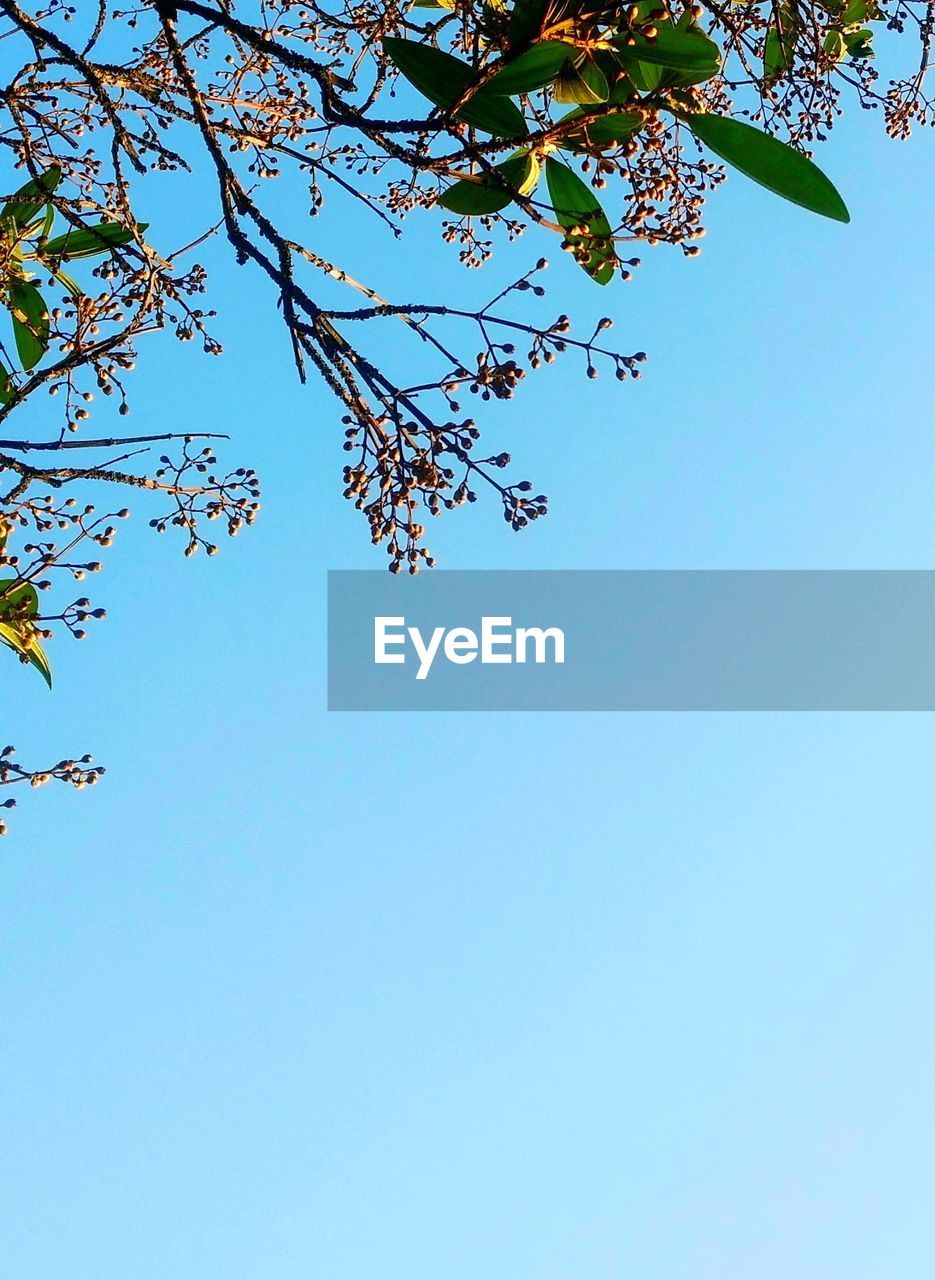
(602, 124)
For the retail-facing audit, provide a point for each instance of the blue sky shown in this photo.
(531, 997)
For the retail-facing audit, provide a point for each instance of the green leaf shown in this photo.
(433, 4)
(859, 43)
(599, 131)
(780, 45)
(688, 52)
(575, 205)
(30, 649)
(69, 284)
(25, 203)
(18, 598)
(584, 83)
(835, 46)
(30, 322)
(536, 67)
(485, 194)
(444, 79)
(19, 605)
(47, 221)
(89, 242)
(771, 163)
(645, 77)
(858, 11)
(7, 390)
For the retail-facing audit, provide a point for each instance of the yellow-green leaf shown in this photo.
(584, 83)
(488, 193)
(19, 605)
(30, 322)
(89, 242)
(25, 203)
(835, 46)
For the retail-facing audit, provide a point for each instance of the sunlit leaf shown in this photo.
(47, 221)
(835, 46)
(576, 206)
(30, 322)
(859, 43)
(28, 647)
(24, 204)
(90, 242)
(18, 598)
(444, 79)
(19, 605)
(771, 163)
(485, 194)
(584, 83)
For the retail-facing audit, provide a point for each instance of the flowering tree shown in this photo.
(604, 124)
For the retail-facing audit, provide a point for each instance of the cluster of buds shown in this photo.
(74, 773)
(233, 497)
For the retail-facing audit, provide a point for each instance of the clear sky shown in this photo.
(445, 997)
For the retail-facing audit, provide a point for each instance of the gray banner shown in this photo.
(632, 641)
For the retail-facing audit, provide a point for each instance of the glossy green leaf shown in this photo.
(47, 221)
(7, 390)
(15, 639)
(18, 598)
(858, 11)
(485, 194)
(779, 50)
(771, 163)
(584, 83)
(433, 4)
(89, 242)
(644, 76)
(19, 604)
(576, 205)
(444, 79)
(859, 43)
(24, 204)
(835, 46)
(30, 322)
(686, 51)
(536, 67)
(599, 131)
